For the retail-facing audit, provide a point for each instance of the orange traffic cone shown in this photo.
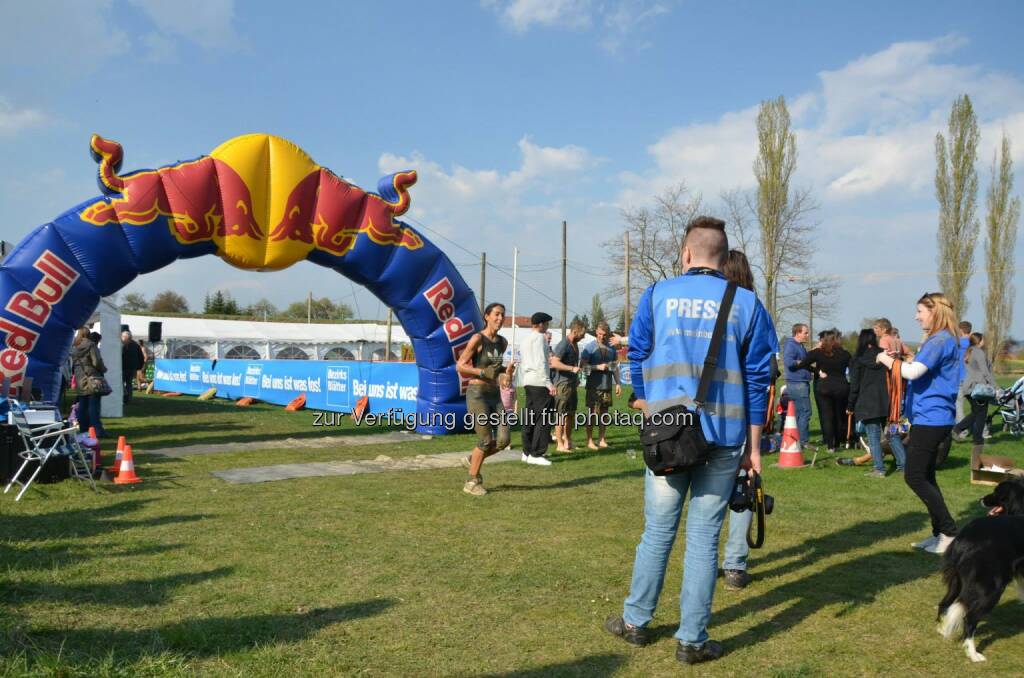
(790, 454)
(126, 475)
(121, 444)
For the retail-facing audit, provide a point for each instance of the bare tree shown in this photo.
(1001, 229)
(655, 239)
(956, 187)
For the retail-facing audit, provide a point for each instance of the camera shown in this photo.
(743, 496)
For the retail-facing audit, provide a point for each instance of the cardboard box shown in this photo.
(979, 462)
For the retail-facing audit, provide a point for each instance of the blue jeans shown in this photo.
(873, 433)
(710, 487)
(89, 413)
(800, 392)
(736, 549)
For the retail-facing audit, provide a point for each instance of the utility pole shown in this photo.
(811, 293)
(309, 308)
(564, 260)
(483, 281)
(387, 344)
(628, 308)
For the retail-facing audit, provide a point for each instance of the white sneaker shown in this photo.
(926, 543)
(526, 457)
(538, 461)
(940, 545)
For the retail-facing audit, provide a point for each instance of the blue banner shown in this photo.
(331, 386)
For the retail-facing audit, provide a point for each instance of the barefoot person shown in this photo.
(604, 374)
(565, 359)
(482, 362)
(934, 377)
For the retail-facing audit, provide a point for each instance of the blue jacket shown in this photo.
(668, 373)
(792, 353)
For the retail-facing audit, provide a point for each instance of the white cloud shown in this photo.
(617, 23)
(14, 120)
(868, 128)
(521, 15)
(159, 48)
(480, 204)
(208, 23)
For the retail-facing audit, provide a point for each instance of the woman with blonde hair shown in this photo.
(934, 377)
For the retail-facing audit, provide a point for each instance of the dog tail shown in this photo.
(952, 612)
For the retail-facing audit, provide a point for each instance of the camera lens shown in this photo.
(769, 504)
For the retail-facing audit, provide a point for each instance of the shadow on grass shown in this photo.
(196, 637)
(35, 558)
(860, 535)
(84, 522)
(1004, 622)
(575, 482)
(130, 593)
(850, 584)
(596, 666)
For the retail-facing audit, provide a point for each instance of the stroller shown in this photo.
(1010, 406)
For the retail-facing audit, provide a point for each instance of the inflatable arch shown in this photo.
(258, 202)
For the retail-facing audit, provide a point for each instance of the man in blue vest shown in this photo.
(668, 342)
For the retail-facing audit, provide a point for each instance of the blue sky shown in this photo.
(518, 114)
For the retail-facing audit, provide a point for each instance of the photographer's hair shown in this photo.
(737, 270)
(798, 328)
(490, 307)
(884, 324)
(943, 317)
(975, 339)
(865, 340)
(705, 236)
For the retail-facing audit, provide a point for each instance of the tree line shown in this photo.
(221, 303)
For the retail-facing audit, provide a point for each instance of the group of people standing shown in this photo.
(550, 378)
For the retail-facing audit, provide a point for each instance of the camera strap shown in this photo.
(758, 488)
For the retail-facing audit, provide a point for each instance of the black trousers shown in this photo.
(975, 421)
(126, 378)
(920, 474)
(538, 414)
(833, 396)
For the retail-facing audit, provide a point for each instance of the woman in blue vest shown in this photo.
(934, 378)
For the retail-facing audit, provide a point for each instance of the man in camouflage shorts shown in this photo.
(565, 359)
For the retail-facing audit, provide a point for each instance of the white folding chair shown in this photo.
(44, 441)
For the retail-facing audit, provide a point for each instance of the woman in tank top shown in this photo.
(481, 361)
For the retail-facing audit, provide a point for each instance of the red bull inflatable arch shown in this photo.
(258, 202)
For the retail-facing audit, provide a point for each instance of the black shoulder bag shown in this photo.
(673, 439)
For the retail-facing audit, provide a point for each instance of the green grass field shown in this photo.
(403, 574)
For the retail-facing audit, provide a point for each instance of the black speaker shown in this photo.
(155, 330)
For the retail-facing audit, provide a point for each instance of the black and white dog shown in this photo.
(980, 563)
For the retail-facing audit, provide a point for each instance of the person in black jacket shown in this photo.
(831, 360)
(132, 360)
(869, 402)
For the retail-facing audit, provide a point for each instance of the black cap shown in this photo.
(539, 317)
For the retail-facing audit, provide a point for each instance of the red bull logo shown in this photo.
(231, 196)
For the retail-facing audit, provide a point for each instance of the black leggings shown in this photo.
(920, 475)
(975, 421)
(832, 396)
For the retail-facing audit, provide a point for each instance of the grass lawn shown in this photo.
(403, 574)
